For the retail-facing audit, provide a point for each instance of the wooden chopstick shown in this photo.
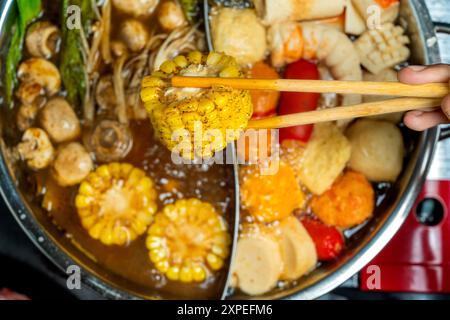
(342, 113)
(429, 90)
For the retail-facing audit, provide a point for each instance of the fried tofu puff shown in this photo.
(179, 114)
(116, 203)
(271, 197)
(188, 241)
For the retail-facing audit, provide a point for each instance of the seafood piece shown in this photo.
(258, 263)
(72, 164)
(42, 39)
(276, 11)
(178, 113)
(188, 241)
(298, 251)
(239, 33)
(383, 47)
(389, 9)
(60, 121)
(134, 34)
(349, 202)
(110, 141)
(136, 8)
(354, 22)
(292, 41)
(116, 203)
(265, 196)
(325, 157)
(42, 72)
(171, 16)
(377, 149)
(36, 149)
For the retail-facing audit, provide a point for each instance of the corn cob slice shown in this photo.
(382, 48)
(188, 241)
(116, 203)
(179, 112)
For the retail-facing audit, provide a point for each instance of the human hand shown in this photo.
(420, 120)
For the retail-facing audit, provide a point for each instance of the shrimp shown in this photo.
(291, 41)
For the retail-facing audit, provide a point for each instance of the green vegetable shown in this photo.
(72, 58)
(26, 11)
(191, 9)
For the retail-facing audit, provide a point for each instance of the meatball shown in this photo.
(134, 34)
(72, 165)
(60, 121)
(349, 202)
(239, 33)
(136, 8)
(36, 149)
(171, 16)
(377, 149)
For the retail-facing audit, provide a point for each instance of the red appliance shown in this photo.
(417, 259)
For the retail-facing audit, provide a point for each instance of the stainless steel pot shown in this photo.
(364, 246)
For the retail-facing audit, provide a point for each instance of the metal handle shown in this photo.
(442, 27)
(444, 132)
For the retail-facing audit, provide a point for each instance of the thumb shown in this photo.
(424, 74)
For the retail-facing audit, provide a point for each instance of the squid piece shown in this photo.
(188, 241)
(60, 121)
(292, 41)
(136, 8)
(116, 203)
(42, 39)
(72, 165)
(276, 11)
(41, 72)
(265, 197)
(239, 33)
(36, 149)
(180, 113)
(382, 48)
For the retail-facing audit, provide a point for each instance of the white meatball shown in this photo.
(239, 33)
(134, 34)
(136, 8)
(72, 165)
(377, 149)
(60, 121)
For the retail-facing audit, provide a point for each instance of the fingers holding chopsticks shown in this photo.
(424, 119)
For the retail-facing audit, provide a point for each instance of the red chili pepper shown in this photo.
(294, 102)
(328, 240)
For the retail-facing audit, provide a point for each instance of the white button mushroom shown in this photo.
(42, 72)
(170, 16)
(36, 149)
(137, 8)
(134, 34)
(30, 93)
(72, 165)
(26, 116)
(42, 39)
(59, 120)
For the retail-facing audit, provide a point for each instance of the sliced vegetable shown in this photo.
(264, 101)
(328, 240)
(72, 62)
(297, 249)
(294, 102)
(116, 203)
(188, 241)
(27, 12)
(271, 197)
(349, 202)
